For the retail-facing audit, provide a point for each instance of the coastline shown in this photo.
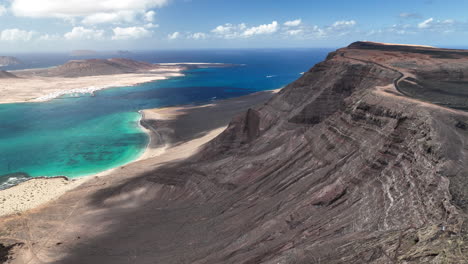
(168, 141)
(34, 85)
(39, 89)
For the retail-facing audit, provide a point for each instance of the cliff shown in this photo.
(361, 160)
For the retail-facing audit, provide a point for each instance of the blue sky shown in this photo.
(59, 25)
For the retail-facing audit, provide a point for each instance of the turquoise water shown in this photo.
(77, 136)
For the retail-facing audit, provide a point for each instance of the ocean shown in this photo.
(79, 136)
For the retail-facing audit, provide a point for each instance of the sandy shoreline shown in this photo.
(33, 89)
(175, 133)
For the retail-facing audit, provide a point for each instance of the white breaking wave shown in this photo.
(270, 76)
(302, 73)
(12, 181)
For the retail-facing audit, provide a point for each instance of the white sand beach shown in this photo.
(35, 88)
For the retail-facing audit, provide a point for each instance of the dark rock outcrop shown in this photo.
(5, 251)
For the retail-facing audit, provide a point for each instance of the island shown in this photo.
(86, 76)
(9, 60)
(81, 53)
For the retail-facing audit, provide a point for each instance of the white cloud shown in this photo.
(48, 37)
(313, 32)
(445, 26)
(343, 24)
(3, 10)
(432, 25)
(426, 23)
(409, 15)
(149, 16)
(78, 8)
(174, 35)
(294, 32)
(116, 17)
(151, 25)
(337, 29)
(229, 31)
(290, 28)
(15, 34)
(84, 33)
(262, 29)
(130, 33)
(293, 23)
(198, 35)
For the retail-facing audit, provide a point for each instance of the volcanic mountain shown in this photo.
(361, 160)
(91, 67)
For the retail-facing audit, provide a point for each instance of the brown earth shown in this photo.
(349, 164)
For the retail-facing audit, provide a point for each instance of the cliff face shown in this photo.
(342, 166)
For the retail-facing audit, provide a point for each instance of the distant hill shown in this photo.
(124, 52)
(79, 68)
(9, 60)
(78, 53)
(7, 75)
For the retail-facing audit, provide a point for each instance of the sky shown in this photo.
(65, 25)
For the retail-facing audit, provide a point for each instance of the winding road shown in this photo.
(395, 82)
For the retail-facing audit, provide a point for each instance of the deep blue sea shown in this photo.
(78, 136)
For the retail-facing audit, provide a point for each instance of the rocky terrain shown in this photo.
(8, 60)
(361, 160)
(93, 67)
